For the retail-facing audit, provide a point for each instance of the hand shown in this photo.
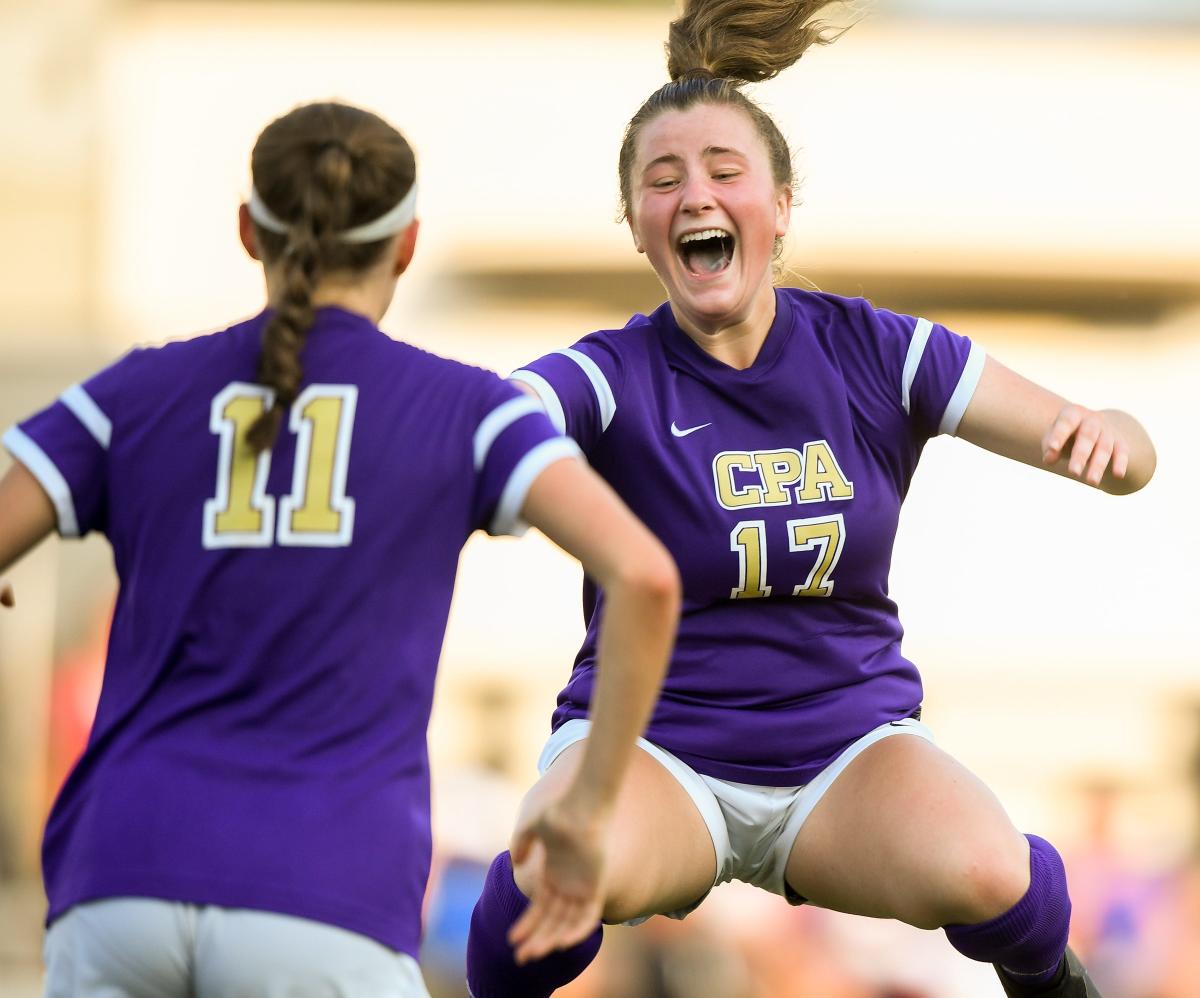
(566, 844)
(1097, 445)
(6, 594)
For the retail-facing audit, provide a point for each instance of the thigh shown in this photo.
(661, 856)
(258, 954)
(120, 948)
(907, 832)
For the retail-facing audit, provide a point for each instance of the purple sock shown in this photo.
(1029, 940)
(491, 970)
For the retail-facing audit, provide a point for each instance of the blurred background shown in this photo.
(1024, 171)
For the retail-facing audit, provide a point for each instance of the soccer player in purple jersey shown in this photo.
(768, 436)
(286, 501)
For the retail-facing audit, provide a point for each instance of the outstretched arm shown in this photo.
(577, 510)
(26, 516)
(1011, 416)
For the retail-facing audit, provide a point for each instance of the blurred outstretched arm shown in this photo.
(26, 516)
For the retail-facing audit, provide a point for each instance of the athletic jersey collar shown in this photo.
(332, 317)
(685, 350)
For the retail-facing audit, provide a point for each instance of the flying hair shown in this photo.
(715, 47)
(743, 39)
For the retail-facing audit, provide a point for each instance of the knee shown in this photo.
(987, 880)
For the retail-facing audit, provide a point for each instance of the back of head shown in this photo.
(321, 169)
(716, 46)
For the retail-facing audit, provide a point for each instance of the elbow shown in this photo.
(652, 579)
(660, 582)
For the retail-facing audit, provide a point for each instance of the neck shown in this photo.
(369, 297)
(370, 301)
(734, 343)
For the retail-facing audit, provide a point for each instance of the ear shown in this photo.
(637, 240)
(247, 234)
(406, 246)
(783, 212)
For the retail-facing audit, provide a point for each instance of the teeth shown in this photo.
(706, 234)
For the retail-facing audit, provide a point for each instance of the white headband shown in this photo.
(386, 225)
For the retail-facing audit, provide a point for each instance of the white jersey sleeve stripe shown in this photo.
(499, 420)
(912, 360)
(546, 393)
(512, 498)
(600, 385)
(964, 391)
(84, 408)
(23, 448)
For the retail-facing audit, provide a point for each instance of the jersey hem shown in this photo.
(209, 891)
(792, 776)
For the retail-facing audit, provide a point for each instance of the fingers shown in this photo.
(558, 923)
(522, 841)
(1120, 459)
(1094, 447)
(1098, 462)
(1060, 432)
(1086, 438)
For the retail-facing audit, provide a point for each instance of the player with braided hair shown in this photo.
(286, 501)
(768, 436)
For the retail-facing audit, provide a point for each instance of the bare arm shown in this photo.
(577, 510)
(1011, 416)
(27, 516)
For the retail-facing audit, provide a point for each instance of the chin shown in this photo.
(715, 306)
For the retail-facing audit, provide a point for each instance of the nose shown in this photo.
(696, 196)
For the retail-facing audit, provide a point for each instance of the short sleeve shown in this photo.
(579, 388)
(513, 443)
(929, 371)
(66, 445)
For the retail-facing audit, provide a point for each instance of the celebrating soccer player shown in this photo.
(768, 436)
(286, 502)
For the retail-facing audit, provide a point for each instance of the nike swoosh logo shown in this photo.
(677, 432)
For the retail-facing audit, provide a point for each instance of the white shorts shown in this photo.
(752, 828)
(147, 948)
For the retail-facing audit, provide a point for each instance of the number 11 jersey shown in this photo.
(260, 737)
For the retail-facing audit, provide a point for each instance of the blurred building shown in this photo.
(1023, 172)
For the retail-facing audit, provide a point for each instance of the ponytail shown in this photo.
(743, 40)
(325, 168)
(716, 46)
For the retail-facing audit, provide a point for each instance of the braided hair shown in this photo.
(321, 168)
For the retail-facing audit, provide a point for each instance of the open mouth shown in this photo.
(707, 252)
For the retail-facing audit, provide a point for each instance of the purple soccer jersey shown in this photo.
(777, 489)
(260, 740)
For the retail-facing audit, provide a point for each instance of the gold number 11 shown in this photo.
(317, 512)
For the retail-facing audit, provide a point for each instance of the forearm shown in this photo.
(634, 648)
(26, 514)
(579, 512)
(1011, 416)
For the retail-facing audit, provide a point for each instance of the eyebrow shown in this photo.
(708, 151)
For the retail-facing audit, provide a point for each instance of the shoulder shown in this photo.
(637, 333)
(857, 314)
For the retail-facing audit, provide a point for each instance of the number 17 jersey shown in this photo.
(777, 490)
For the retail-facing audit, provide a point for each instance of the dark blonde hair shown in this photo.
(321, 168)
(716, 46)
